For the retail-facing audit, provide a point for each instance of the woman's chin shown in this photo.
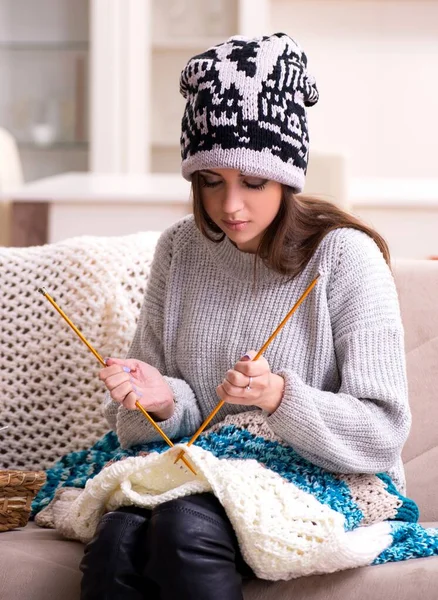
(245, 243)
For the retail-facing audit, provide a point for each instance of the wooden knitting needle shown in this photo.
(256, 357)
(102, 362)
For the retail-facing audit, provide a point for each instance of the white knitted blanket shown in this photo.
(291, 518)
(283, 532)
(46, 373)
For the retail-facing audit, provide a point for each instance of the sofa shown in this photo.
(50, 399)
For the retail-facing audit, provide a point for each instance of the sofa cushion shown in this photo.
(417, 286)
(37, 564)
(409, 580)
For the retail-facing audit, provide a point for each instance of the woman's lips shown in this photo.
(235, 225)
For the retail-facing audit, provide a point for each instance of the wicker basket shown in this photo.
(17, 490)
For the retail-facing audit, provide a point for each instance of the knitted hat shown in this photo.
(246, 109)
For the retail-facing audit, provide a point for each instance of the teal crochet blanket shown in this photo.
(362, 519)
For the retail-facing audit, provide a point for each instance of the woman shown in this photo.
(332, 385)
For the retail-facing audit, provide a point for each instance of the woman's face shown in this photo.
(243, 206)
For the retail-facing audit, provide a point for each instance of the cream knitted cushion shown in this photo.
(50, 396)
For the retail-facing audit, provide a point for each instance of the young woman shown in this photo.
(332, 384)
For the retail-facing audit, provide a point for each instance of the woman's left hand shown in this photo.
(264, 389)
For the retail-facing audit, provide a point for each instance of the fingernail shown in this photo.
(127, 369)
(105, 360)
(246, 357)
(137, 391)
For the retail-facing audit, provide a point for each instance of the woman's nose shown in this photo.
(232, 201)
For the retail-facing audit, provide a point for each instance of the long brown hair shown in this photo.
(300, 224)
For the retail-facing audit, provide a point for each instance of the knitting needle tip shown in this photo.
(42, 291)
(180, 455)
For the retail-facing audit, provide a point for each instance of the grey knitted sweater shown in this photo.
(345, 403)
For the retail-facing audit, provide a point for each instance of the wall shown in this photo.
(375, 64)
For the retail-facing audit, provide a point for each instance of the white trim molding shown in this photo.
(254, 17)
(119, 85)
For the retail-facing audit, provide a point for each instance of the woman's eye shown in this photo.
(255, 186)
(206, 183)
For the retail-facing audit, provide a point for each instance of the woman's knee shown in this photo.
(118, 531)
(192, 550)
(194, 522)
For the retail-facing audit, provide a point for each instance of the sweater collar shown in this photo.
(239, 265)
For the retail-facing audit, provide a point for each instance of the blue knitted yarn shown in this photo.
(410, 540)
(408, 511)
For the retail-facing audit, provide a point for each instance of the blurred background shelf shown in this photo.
(44, 74)
(72, 146)
(191, 44)
(32, 46)
(94, 85)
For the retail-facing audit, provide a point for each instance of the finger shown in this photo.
(232, 399)
(250, 355)
(136, 396)
(117, 379)
(112, 370)
(130, 400)
(220, 391)
(253, 368)
(233, 390)
(239, 393)
(132, 363)
(120, 392)
(237, 378)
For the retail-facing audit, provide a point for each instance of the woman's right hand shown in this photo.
(129, 381)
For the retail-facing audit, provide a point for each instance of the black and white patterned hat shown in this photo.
(246, 109)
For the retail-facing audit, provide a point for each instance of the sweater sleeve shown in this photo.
(147, 345)
(362, 427)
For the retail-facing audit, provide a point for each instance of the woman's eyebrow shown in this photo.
(240, 174)
(211, 172)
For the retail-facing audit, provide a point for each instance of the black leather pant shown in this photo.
(184, 549)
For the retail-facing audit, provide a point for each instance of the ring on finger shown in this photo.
(248, 387)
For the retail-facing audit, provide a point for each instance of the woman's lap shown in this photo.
(184, 547)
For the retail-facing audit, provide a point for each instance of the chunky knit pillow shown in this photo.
(50, 395)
